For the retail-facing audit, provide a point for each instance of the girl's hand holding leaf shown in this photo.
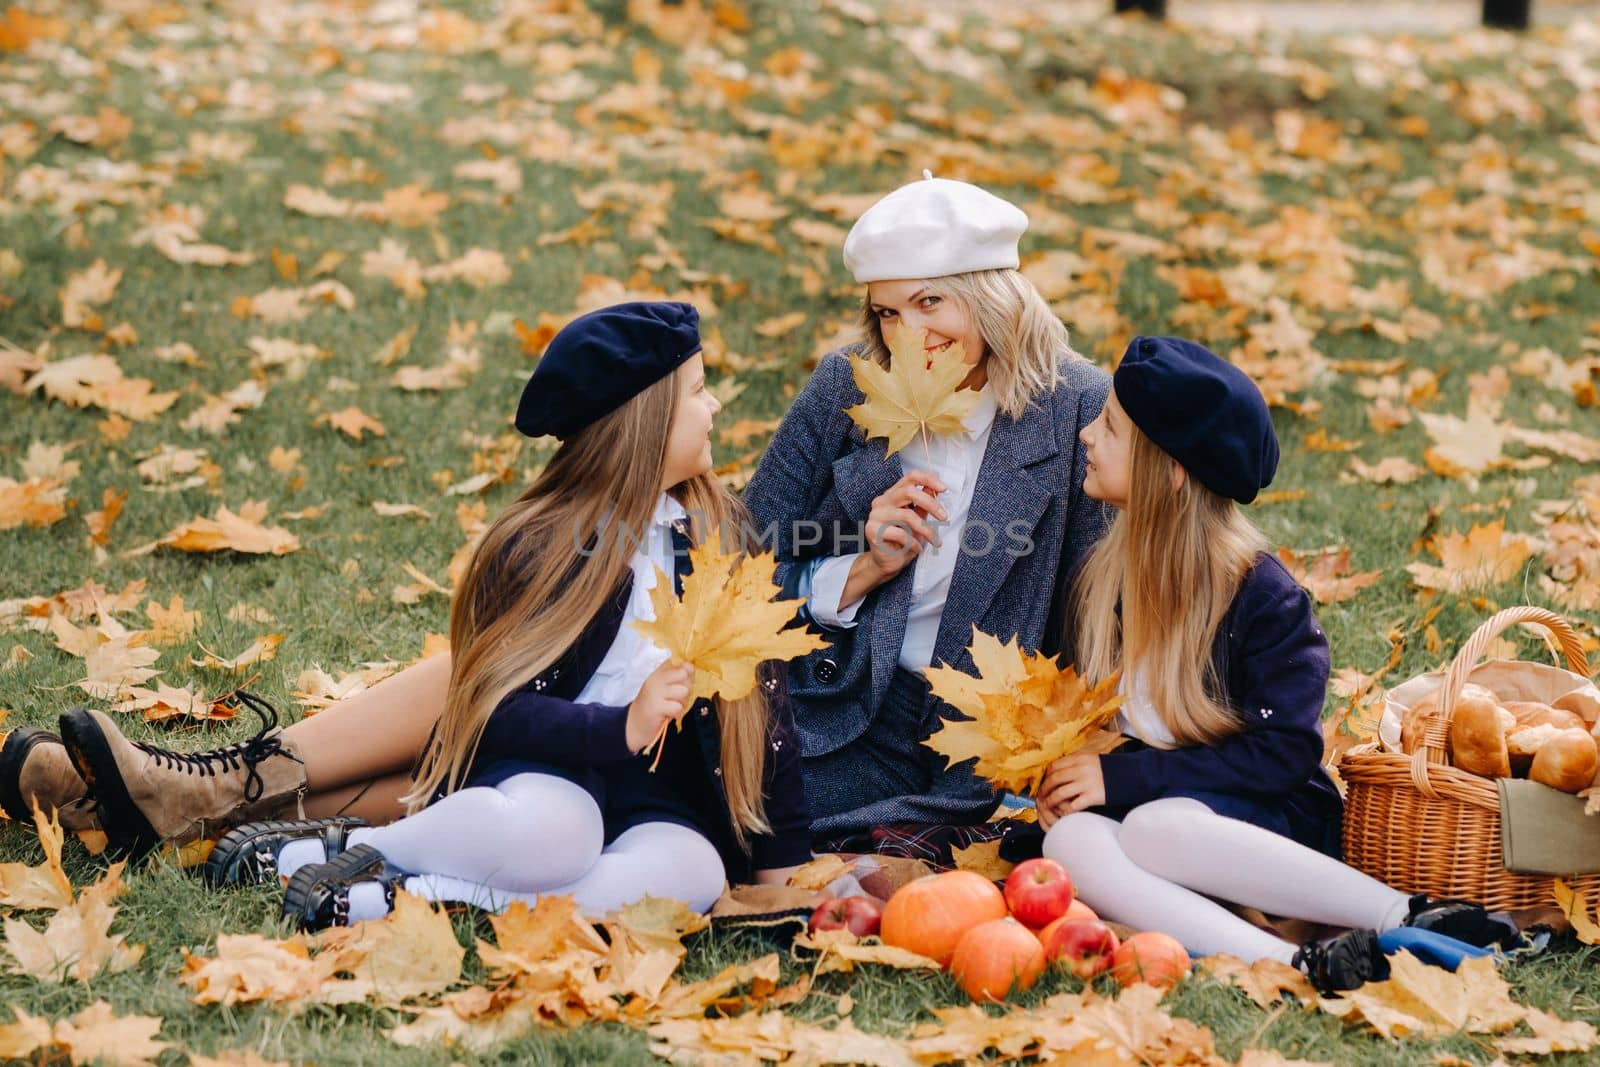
(663, 700)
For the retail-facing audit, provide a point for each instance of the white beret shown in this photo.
(931, 228)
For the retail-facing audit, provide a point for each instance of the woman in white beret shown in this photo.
(901, 556)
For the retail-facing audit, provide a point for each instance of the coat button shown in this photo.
(717, 771)
(827, 672)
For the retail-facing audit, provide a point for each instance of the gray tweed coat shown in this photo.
(819, 467)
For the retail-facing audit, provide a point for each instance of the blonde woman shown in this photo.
(535, 780)
(902, 555)
(1220, 791)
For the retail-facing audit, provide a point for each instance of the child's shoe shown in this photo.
(1463, 921)
(1347, 961)
(249, 854)
(319, 896)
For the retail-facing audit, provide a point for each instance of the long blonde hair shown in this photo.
(1173, 560)
(1024, 338)
(548, 565)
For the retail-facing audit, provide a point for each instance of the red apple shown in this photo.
(1083, 946)
(859, 915)
(1038, 892)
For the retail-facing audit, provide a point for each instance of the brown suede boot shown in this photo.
(35, 769)
(147, 794)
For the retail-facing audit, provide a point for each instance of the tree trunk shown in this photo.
(1506, 14)
(1156, 9)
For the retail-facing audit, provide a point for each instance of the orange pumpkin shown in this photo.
(928, 916)
(1154, 958)
(995, 957)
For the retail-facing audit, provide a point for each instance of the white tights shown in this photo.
(1157, 868)
(530, 835)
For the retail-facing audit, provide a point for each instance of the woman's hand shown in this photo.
(663, 698)
(897, 526)
(1072, 783)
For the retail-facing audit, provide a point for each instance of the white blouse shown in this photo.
(956, 458)
(1139, 718)
(632, 657)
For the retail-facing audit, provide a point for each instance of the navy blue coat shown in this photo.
(1272, 659)
(541, 727)
(819, 468)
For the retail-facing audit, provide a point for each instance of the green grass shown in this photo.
(871, 115)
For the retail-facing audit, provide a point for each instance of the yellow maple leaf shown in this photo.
(41, 886)
(226, 530)
(1483, 556)
(261, 649)
(1417, 1000)
(410, 952)
(1585, 928)
(95, 285)
(1025, 712)
(170, 624)
(727, 622)
(920, 393)
(77, 942)
(99, 522)
(99, 1035)
(983, 858)
(1327, 577)
(36, 502)
(353, 422)
(1464, 446)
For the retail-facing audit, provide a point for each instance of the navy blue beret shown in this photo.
(600, 361)
(1202, 411)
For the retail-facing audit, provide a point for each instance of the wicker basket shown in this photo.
(1422, 826)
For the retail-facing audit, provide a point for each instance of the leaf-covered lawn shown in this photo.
(272, 274)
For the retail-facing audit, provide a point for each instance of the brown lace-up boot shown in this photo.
(147, 794)
(35, 769)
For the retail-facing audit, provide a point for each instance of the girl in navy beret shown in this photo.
(534, 779)
(1218, 791)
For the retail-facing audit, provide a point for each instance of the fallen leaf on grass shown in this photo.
(42, 886)
(1025, 712)
(1327, 577)
(840, 950)
(249, 968)
(1584, 927)
(412, 952)
(1265, 981)
(353, 423)
(227, 531)
(261, 650)
(77, 941)
(171, 624)
(1482, 557)
(37, 502)
(423, 585)
(99, 522)
(1418, 1000)
(94, 285)
(1551, 1034)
